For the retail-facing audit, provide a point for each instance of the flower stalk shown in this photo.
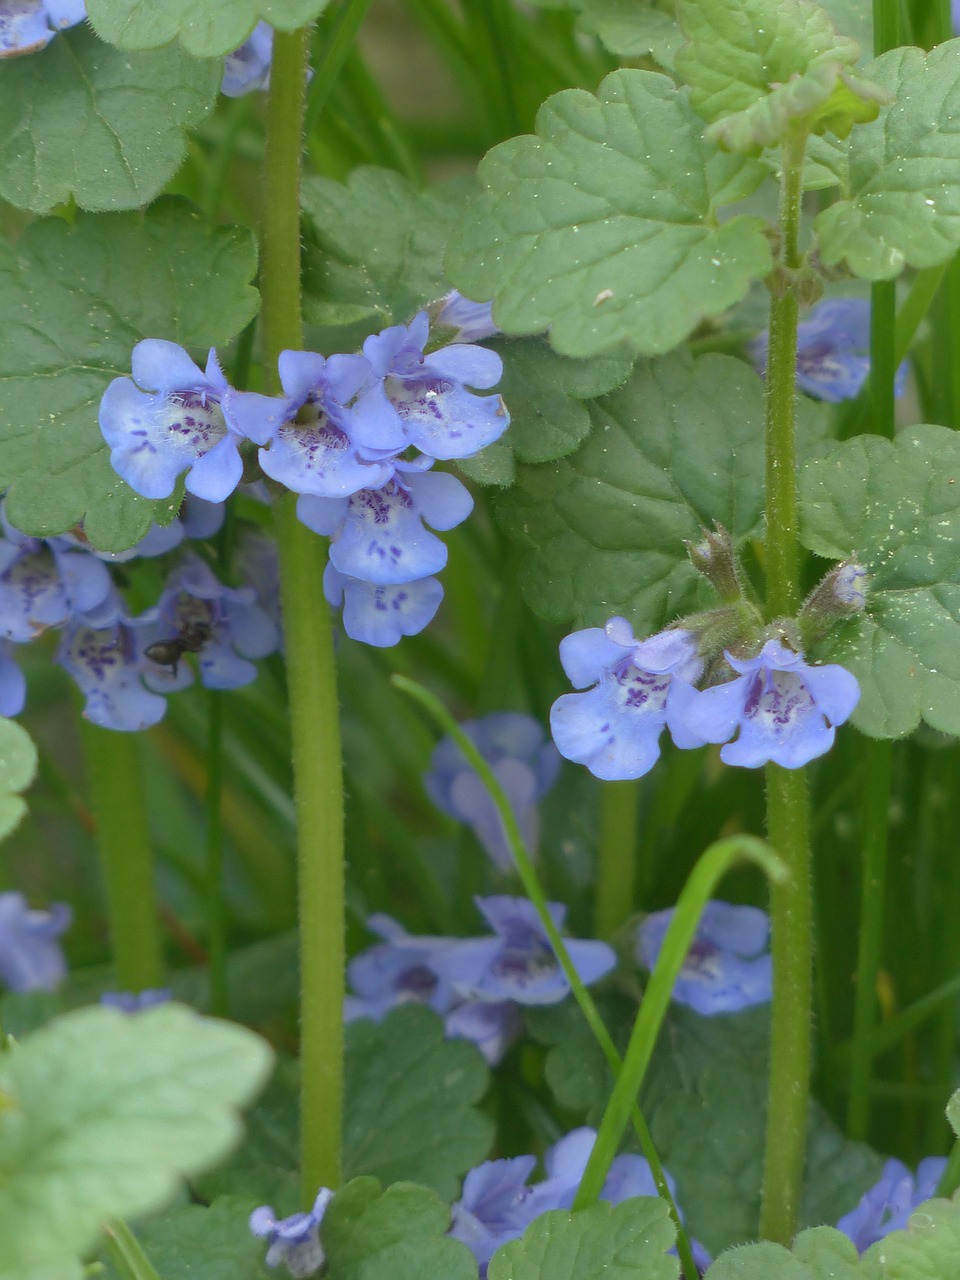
(311, 673)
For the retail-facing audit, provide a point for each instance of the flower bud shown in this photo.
(842, 593)
(715, 558)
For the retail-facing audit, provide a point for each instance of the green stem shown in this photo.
(791, 916)
(616, 856)
(886, 25)
(535, 893)
(125, 1252)
(883, 364)
(216, 923)
(876, 804)
(790, 1025)
(126, 857)
(712, 865)
(311, 673)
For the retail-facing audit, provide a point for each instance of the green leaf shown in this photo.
(605, 1242)
(376, 251)
(215, 1243)
(545, 393)
(56, 1269)
(82, 120)
(901, 204)
(822, 1253)
(104, 1113)
(601, 227)
(408, 1115)
(18, 764)
(205, 30)
(927, 1250)
(631, 29)
(76, 301)
(678, 447)
(895, 506)
(409, 1111)
(397, 1234)
(757, 66)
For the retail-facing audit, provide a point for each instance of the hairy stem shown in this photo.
(787, 797)
(311, 673)
(126, 856)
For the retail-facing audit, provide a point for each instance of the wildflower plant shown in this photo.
(627, 460)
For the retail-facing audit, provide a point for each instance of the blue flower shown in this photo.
(103, 653)
(639, 686)
(728, 965)
(422, 400)
(887, 1206)
(223, 626)
(785, 709)
(27, 26)
(833, 350)
(248, 68)
(498, 1204)
(170, 419)
(310, 427)
(379, 535)
(136, 1002)
(492, 1027)
(400, 970)
(472, 320)
(524, 764)
(382, 615)
(294, 1240)
(494, 1206)
(30, 955)
(519, 963)
(45, 581)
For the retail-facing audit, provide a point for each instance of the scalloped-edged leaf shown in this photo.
(600, 227)
(206, 30)
(902, 203)
(18, 764)
(375, 255)
(895, 505)
(626, 1241)
(545, 393)
(397, 1234)
(76, 301)
(409, 1112)
(756, 66)
(104, 1113)
(675, 449)
(84, 121)
(631, 29)
(821, 1253)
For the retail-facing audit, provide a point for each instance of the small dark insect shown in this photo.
(167, 653)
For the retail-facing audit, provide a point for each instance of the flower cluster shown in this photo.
(475, 984)
(30, 954)
(355, 436)
(779, 706)
(728, 966)
(295, 1241)
(523, 763)
(498, 1203)
(833, 350)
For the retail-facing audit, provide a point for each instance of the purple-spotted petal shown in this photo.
(382, 615)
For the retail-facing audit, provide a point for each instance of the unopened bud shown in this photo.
(715, 558)
(842, 593)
